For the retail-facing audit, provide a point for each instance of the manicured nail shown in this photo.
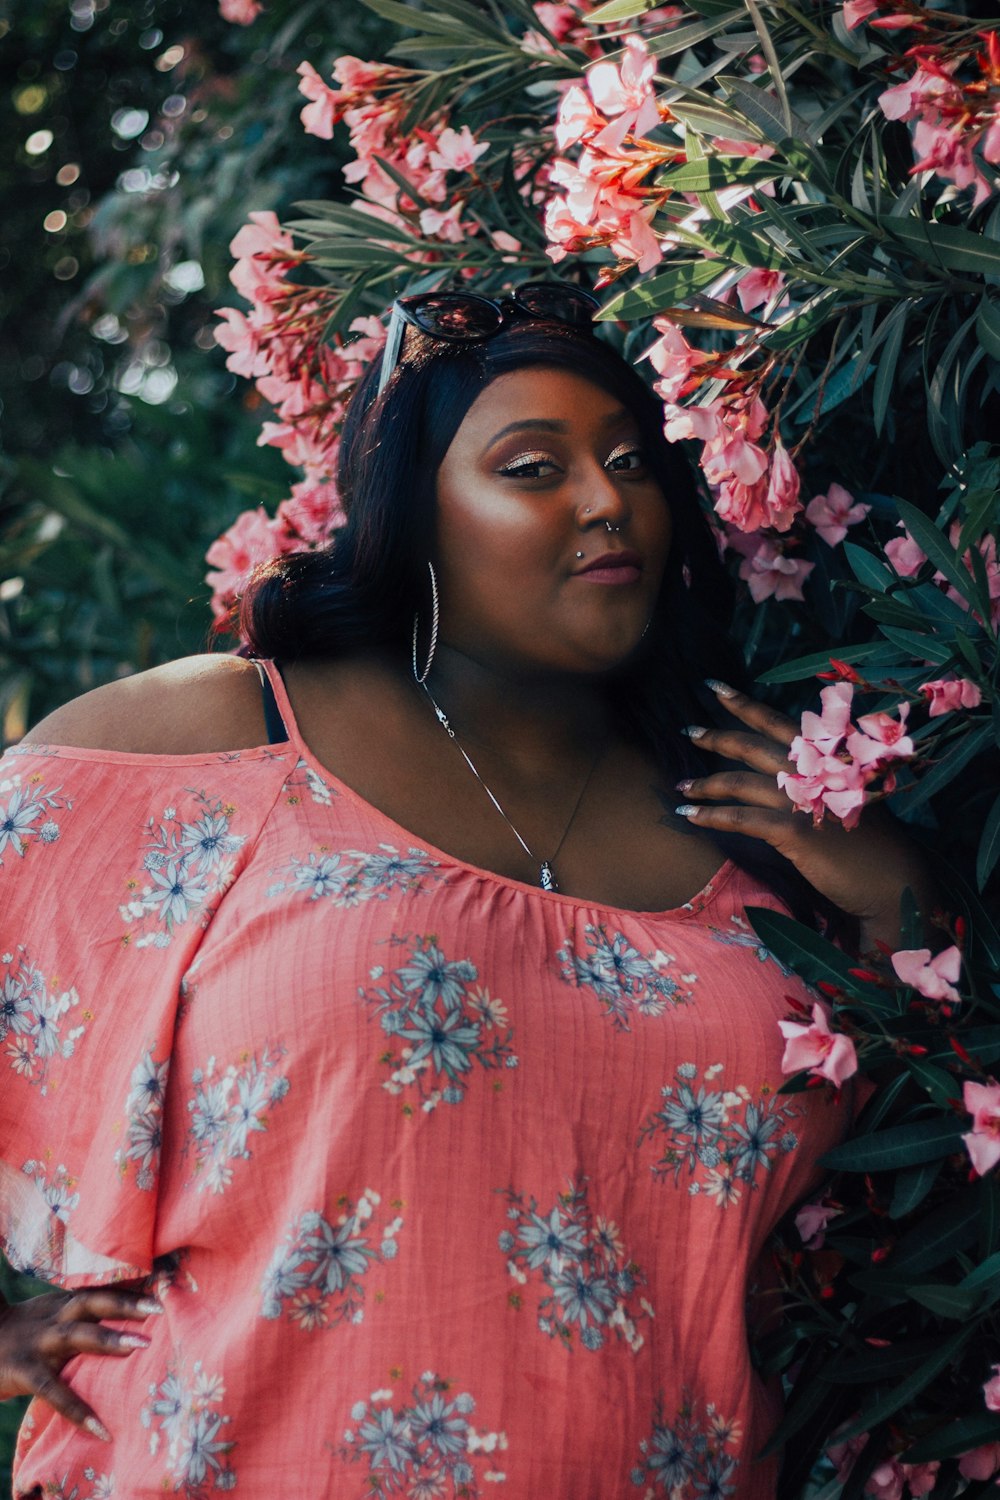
(687, 810)
(133, 1341)
(722, 688)
(694, 731)
(98, 1429)
(684, 786)
(149, 1307)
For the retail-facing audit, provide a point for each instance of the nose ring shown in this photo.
(612, 528)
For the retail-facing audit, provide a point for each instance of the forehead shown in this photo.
(539, 394)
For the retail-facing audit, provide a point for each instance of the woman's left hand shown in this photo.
(863, 870)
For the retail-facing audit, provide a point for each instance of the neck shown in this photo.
(524, 718)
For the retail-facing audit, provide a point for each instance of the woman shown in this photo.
(470, 1143)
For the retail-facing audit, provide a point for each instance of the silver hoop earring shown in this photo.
(421, 677)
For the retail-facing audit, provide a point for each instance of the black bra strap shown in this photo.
(277, 734)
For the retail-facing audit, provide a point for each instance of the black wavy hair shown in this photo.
(363, 589)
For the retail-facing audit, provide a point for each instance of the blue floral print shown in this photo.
(227, 1110)
(739, 934)
(315, 1275)
(26, 814)
(429, 1449)
(722, 1139)
(183, 1411)
(592, 1286)
(304, 779)
(33, 1013)
(440, 1023)
(689, 1458)
(144, 1121)
(99, 1486)
(36, 1248)
(185, 862)
(351, 876)
(625, 981)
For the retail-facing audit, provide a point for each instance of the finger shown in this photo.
(771, 826)
(64, 1341)
(96, 1303)
(736, 786)
(733, 744)
(767, 721)
(63, 1399)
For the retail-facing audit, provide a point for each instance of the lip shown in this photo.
(613, 567)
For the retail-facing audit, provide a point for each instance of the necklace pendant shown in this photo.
(546, 879)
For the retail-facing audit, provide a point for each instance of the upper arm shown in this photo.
(187, 707)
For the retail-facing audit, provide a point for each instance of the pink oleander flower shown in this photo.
(991, 1390)
(783, 485)
(811, 1222)
(905, 556)
(240, 12)
(905, 100)
(934, 978)
(844, 1454)
(948, 152)
(856, 11)
(827, 729)
(311, 513)
(757, 287)
(262, 252)
(980, 1463)
(673, 359)
(456, 150)
(319, 117)
(982, 1100)
(826, 783)
(443, 226)
(241, 337)
(252, 538)
(577, 118)
(633, 239)
(767, 570)
(824, 1053)
(948, 694)
(881, 738)
(625, 94)
(832, 513)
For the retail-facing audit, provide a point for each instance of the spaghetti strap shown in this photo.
(277, 733)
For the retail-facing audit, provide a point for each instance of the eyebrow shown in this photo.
(543, 424)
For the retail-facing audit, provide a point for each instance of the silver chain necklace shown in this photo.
(546, 874)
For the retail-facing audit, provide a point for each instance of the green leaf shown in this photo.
(708, 118)
(714, 172)
(896, 322)
(931, 540)
(957, 1438)
(421, 20)
(955, 758)
(618, 10)
(879, 1364)
(912, 1186)
(867, 568)
(899, 1146)
(756, 105)
(661, 291)
(946, 1301)
(986, 1275)
(803, 950)
(943, 1087)
(683, 37)
(937, 1237)
(989, 845)
(819, 661)
(944, 245)
(988, 326)
(888, 1402)
(919, 646)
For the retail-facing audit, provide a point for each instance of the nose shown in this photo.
(602, 502)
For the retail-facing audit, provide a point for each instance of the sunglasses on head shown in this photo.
(465, 318)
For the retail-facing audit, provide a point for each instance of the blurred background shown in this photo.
(137, 139)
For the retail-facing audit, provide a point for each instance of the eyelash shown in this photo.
(517, 469)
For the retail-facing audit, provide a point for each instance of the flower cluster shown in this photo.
(836, 761)
(907, 559)
(952, 97)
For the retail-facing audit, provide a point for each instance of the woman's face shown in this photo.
(542, 465)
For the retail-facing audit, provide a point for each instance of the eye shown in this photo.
(627, 458)
(529, 466)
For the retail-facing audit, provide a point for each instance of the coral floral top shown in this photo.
(451, 1187)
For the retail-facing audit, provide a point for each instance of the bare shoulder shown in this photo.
(198, 704)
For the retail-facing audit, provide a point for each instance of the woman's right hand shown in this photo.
(40, 1336)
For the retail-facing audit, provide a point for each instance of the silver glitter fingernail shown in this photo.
(687, 810)
(132, 1341)
(694, 731)
(722, 688)
(149, 1307)
(97, 1429)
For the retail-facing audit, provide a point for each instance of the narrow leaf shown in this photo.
(887, 364)
(946, 1301)
(941, 553)
(944, 245)
(808, 666)
(912, 1186)
(660, 291)
(899, 1146)
(955, 758)
(988, 326)
(957, 1438)
(618, 10)
(989, 845)
(888, 1402)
